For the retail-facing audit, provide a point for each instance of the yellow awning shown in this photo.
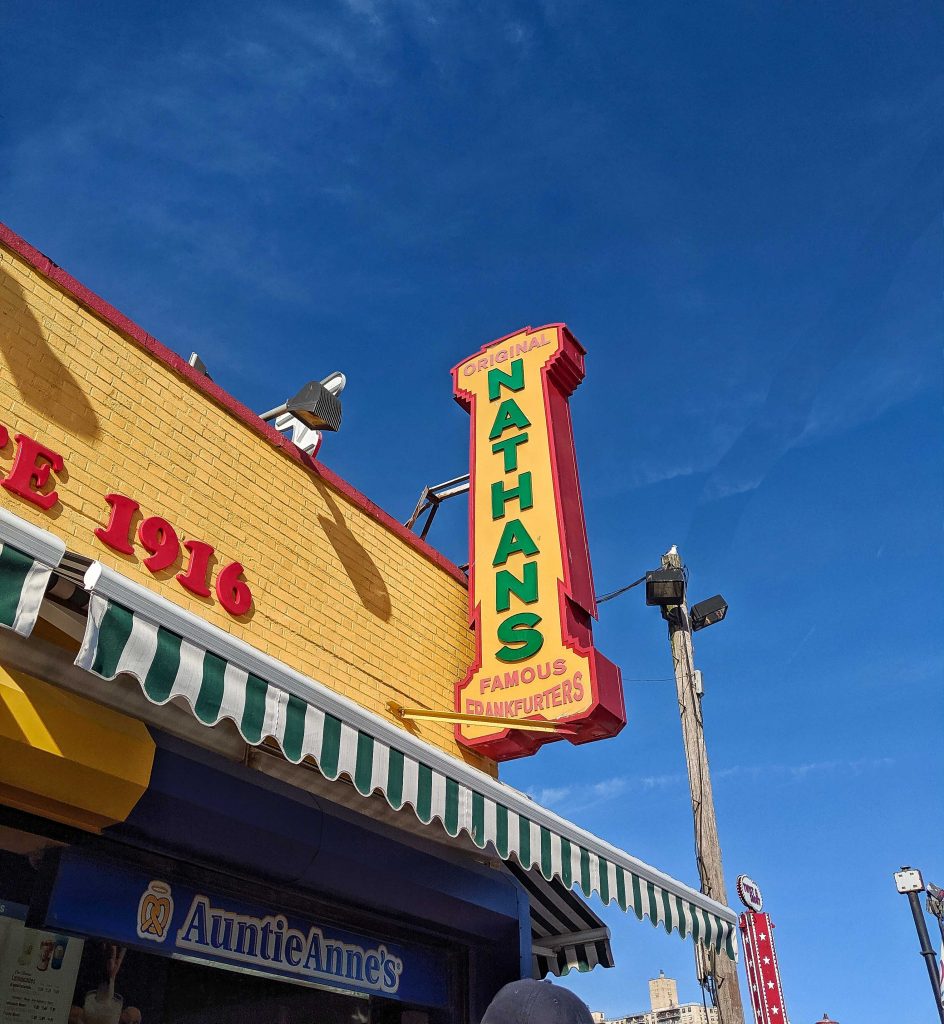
(65, 758)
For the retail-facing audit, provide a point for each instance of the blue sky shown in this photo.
(737, 209)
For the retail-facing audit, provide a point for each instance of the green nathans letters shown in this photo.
(508, 446)
(509, 414)
(506, 584)
(521, 639)
(514, 539)
(498, 379)
(501, 496)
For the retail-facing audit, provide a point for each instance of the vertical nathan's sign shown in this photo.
(530, 587)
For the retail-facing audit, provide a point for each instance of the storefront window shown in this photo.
(52, 978)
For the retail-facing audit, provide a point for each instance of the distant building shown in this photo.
(665, 1007)
(663, 993)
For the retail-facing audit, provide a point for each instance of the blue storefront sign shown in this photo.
(160, 915)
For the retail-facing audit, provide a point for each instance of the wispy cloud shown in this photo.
(242, 113)
(805, 770)
(732, 483)
(595, 793)
(796, 650)
(699, 455)
(552, 795)
(867, 390)
(817, 356)
(571, 797)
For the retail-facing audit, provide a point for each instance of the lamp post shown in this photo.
(666, 587)
(909, 883)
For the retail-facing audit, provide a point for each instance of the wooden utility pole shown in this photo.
(723, 971)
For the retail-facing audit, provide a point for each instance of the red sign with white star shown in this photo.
(763, 974)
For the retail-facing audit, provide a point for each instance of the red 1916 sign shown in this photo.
(158, 537)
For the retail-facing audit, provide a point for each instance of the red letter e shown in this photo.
(29, 475)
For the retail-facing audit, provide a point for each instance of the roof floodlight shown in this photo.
(708, 612)
(317, 405)
(665, 587)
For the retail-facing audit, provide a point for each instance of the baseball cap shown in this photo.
(536, 1002)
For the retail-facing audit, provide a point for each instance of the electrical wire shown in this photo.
(622, 590)
(629, 586)
(704, 1001)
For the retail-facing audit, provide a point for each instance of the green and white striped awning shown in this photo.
(27, 558)
(566, 935)
(174, 654)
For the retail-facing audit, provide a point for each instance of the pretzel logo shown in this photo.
(155, 910)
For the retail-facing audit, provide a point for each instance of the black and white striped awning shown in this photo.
(566, 935)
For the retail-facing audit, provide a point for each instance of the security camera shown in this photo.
(909, 880)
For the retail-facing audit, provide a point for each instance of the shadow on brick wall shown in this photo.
(45, 383)
(359, 566)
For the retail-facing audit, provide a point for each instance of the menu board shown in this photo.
(38, 970)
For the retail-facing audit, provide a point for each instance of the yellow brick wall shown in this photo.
(336, 595)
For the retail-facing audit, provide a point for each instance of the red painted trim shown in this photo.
(114, 318)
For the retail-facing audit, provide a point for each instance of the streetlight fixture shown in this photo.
(708, 612)
(665, 586)
(909, 883)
